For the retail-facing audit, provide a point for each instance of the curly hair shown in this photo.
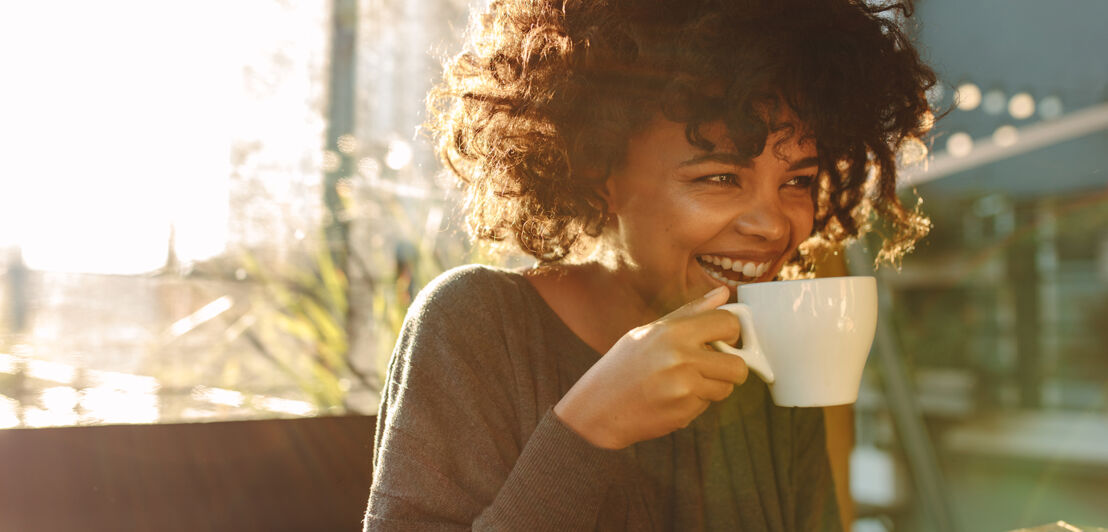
(538, 110)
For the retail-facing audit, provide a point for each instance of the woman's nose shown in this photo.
(763, 218)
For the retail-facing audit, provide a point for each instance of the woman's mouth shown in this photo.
(731, 272)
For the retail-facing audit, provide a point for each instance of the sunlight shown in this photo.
(8, 364)
(236, 399)
(121, 135)
(206, 313)
(51, 371)
(58, 408)
(9, 408)
(284, 406)
(104, 404)
(116, 397)
(218, 396)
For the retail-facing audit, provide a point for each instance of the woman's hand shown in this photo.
(657, 378)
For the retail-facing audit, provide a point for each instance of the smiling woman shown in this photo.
(651, 156)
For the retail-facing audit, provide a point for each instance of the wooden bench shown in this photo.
(270, 475)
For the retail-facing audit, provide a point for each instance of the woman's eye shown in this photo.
(721, 179)
(801, 181)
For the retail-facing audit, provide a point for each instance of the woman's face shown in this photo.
(687, 220)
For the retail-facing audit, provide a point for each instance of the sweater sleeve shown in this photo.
(449, 453)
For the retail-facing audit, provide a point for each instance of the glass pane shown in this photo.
(164, 255)
(999, 313)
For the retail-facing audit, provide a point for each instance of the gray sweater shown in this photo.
(466, 437)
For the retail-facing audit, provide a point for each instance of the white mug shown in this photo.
(808, 339)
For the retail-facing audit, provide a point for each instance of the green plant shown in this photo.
(300, 323)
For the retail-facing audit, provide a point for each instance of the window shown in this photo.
(164, 228)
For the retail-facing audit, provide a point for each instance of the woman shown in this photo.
(651, 155)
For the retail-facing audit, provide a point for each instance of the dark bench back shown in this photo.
(271, 475)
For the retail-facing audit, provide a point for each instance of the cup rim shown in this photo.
(814, 279)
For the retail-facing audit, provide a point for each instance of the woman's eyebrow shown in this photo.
(718, 157)
(735, 160)
(804, 163)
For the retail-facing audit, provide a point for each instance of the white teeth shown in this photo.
(748, 269)
(723, 279)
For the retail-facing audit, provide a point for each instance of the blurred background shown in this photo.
(221, 211)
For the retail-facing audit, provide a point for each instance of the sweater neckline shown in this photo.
(550, 316)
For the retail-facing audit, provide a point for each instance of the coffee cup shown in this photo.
(808, 339)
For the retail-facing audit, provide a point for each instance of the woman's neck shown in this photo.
(595, 301)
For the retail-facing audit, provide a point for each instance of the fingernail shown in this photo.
(715, 292)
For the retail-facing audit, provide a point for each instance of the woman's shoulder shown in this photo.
(472, 291)
(471, 276)
(468, 315)
(462, 283)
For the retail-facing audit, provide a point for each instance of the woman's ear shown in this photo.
(607, 189)
(609, 193)
(601, 184)
(604, 190)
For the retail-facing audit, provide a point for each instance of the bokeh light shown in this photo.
(344, 188)
(1005, 135)
(967, 97)
(347, 144)
(1050, 107)
(959, 144)
(912, 151)
(399, 154)
(332, 161)
(369, 168)
(994, 102)
(1021, 106)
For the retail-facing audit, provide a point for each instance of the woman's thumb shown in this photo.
(711, 300)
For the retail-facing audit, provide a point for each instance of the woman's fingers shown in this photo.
(713, 364)
(690, 335)
(715, 390)
(707, 326)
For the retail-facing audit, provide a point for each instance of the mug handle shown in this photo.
(751, 353)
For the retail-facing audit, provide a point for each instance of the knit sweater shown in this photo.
(466, 436)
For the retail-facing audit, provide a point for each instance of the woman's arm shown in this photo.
(449, 452)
